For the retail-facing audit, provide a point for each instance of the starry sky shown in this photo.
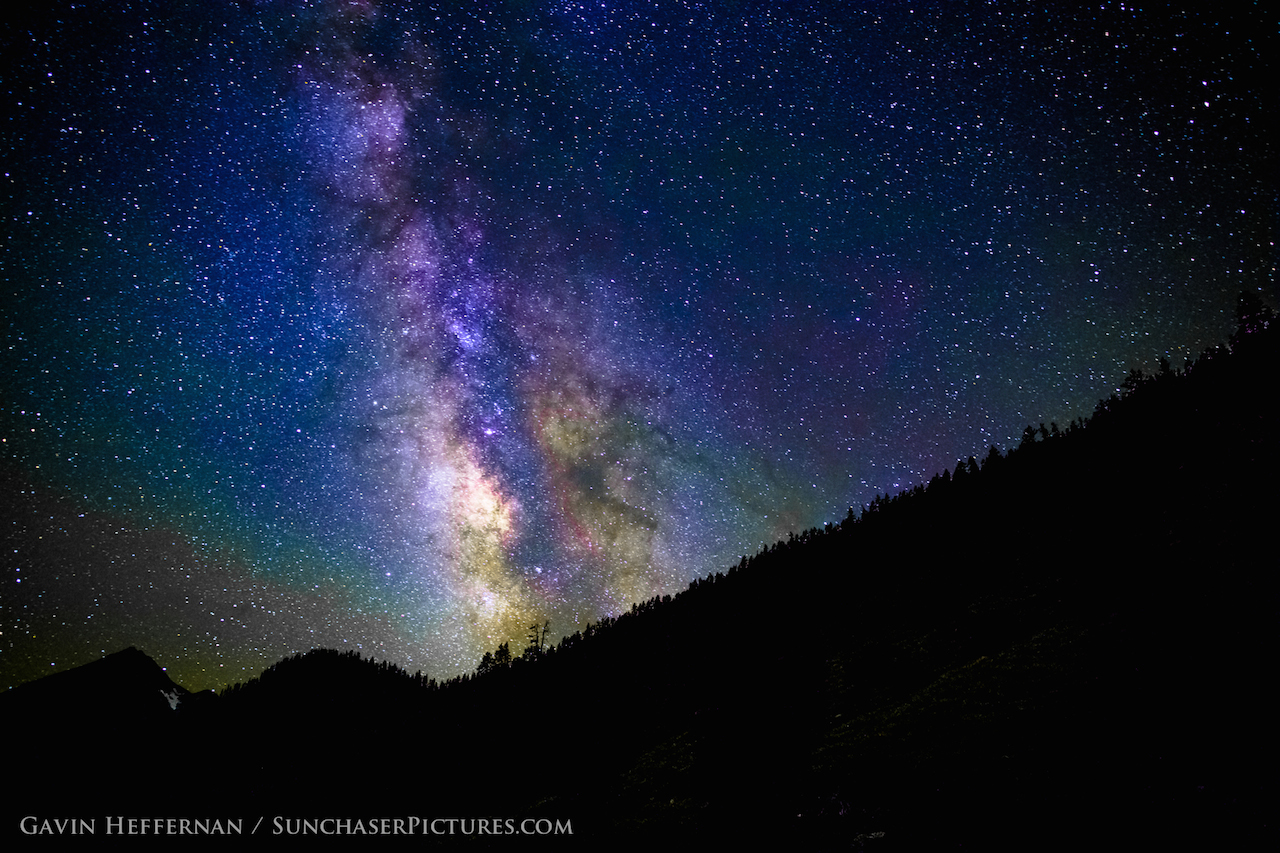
(402, 326)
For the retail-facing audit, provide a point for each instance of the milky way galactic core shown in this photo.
(402, 327)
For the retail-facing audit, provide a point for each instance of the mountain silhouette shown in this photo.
(1069, 641)
(121, 686)
(98, 735)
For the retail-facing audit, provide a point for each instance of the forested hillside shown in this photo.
(1068, 638)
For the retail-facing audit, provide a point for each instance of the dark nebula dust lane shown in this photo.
(401, 327)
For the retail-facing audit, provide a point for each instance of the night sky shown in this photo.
(401, 327)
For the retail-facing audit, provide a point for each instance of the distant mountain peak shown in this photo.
(123, 685)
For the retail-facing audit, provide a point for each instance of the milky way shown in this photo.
(403, 327)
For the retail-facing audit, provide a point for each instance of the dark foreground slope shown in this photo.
(1071, 644)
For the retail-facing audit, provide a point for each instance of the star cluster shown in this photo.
(402, 326)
